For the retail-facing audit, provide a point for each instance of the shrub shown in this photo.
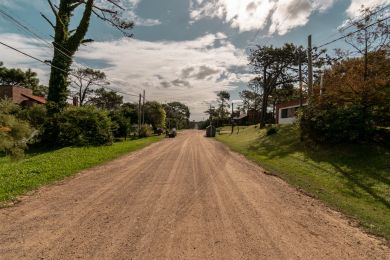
(336, 124)
(271, 131)
(121, 125)
(78, 126)
(146, 131)
(14, 132)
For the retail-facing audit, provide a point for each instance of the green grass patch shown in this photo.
(43, 167)
(354, 179)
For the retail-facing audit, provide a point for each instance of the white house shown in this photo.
(286, 112)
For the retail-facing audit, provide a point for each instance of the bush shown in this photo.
(14, 132)
(121, 125)
(272, 131)
(78, 126)
(336, 124)
(146, 131)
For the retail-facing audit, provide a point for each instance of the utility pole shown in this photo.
(139, 115)
(310, 66)
(322, 84)
(143, 109)
(232, 118)
(300, 81)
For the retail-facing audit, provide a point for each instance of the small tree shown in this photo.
(108, 100)
(14, 132)
(155, 114)
(223, 100)
(372, 34)
(17, 77)
(84, 80)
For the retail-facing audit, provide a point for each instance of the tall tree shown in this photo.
(155, 114)
(372, 34)
(273, 68)
(178, 114)
(67, 40)
(108, 100)
(223, 100)
(84, 80)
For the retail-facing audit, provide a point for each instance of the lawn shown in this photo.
(40, 168)
(354, 179)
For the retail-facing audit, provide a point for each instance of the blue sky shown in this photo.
(183, 50)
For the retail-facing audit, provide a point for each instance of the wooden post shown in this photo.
(300, 82)
(139, 115)
(310, 66)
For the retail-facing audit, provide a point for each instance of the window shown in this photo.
(285, 113)
(289, 112)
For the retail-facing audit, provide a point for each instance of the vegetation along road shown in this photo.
(183, 198)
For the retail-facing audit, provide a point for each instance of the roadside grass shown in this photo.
(354, 179)
(44, 167)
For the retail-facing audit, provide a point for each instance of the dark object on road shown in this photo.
(159, 131)
(172, 133)
(211, 131)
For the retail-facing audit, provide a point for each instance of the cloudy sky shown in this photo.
(183, 50)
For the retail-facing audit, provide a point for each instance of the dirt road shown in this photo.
(183, 198)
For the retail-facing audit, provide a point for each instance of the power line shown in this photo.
(351, 33)
(342, 29)
(35, 35)
(70, 73)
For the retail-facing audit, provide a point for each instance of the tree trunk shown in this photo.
(58, 83)
(264, 106)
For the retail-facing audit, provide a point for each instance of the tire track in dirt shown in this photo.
(183, 198)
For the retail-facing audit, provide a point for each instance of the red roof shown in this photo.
(40, 100)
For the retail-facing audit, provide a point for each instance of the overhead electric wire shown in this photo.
(70, 73)
(343, 29)
(50, 46)
(351, 33)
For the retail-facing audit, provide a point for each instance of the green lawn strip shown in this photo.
(354, 179)
(40, 168)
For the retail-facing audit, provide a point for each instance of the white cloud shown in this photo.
(354, 9)
(246, 15)
(187, 71)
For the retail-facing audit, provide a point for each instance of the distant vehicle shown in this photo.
(159, 131)
(172, 133)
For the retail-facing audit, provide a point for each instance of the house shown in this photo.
(21, 96)
(286, 112)
(241, 119)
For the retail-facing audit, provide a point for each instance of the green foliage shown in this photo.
(145, 131)
(108, 100)
(177, 115)
(121, 124)
(271, 131)
(354, 104)
(14, 132)
(155, 114)
(336, 124)
(78, 126)
(17, 77)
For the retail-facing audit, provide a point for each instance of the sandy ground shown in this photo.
(183, 198)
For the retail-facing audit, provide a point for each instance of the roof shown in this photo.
(40, 100)
(293, 102)
(240, 117)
